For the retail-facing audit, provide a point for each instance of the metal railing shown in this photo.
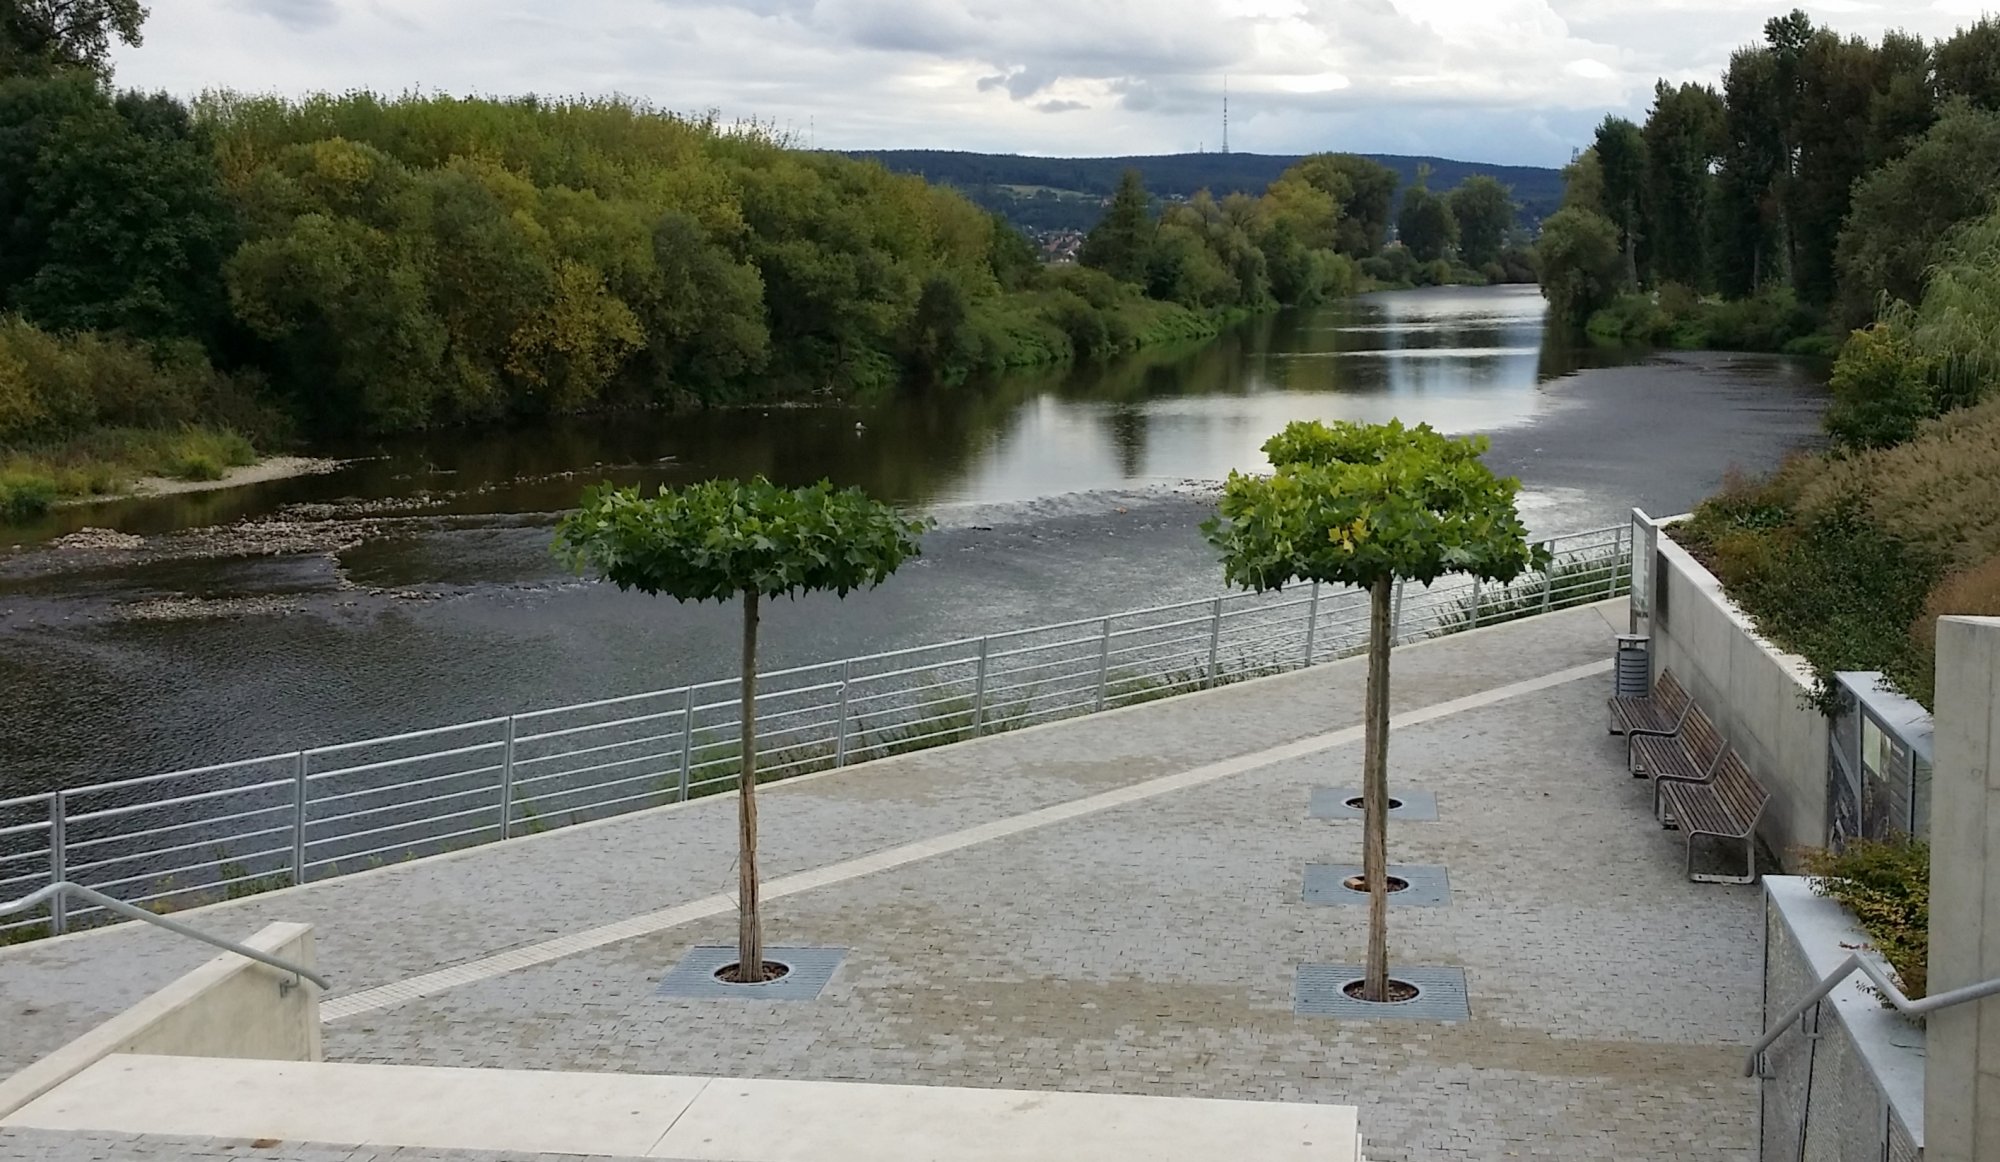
(1753, 1065)
(55, 893)
(193, 836)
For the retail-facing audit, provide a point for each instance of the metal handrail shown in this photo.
(1855, 962)
(54, 892)
(417, 792)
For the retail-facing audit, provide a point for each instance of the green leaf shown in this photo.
(716, 540)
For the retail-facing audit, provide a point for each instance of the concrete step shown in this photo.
(700, 1119)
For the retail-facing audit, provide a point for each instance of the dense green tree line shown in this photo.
(1824, 167)
(1319, 231)
(359, 263)
(1849, 188)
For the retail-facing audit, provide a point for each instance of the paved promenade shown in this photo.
(1111, 904)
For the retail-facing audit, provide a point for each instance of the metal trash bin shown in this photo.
(1632, 666)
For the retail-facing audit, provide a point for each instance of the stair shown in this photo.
(697, 1119)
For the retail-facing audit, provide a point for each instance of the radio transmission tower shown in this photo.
(1225, 114)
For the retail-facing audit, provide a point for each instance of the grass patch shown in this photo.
(106, 462)
(1579, 580)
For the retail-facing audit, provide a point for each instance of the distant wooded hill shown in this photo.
(1066, 193)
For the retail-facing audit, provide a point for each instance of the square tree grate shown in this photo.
(694, 976)
(1415, 806)
(1326, 883)
(1321, 991)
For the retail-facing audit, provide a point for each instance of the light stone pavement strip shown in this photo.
(52, 1146)
(1148, 946)
(459, 975)
(380, 927)
(1150, 949)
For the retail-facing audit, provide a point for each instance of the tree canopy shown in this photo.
(1425, 224)
(720, 539)
(1483, 211)
(1351, 504)
(44, 36)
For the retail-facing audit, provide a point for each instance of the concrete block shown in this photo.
(229, 1007)
(1962, 1094)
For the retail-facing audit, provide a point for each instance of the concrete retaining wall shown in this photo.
(1754, 692)
(229, 1007)
(1856, 1092)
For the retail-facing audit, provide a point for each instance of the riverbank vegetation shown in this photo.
(1321, 231)
(247, 268)
(1779, 209)
(1844, 195)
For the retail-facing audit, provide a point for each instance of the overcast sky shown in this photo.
(1518, 81)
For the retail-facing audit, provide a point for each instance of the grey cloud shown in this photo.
(988, 84)
(297, 15)
(1060, 106)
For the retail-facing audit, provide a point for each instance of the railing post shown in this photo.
(58, 861)
(1548, 575)
(1475, 604)
(1312, 623)
(1103, 660)
(978, 689)
(507, 783)
(301, 762)
(687, 744)
(840, 725)
(1396, 614)
(1617, 562)
(1214, 640)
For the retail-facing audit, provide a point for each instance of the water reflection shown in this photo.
(1458, 358)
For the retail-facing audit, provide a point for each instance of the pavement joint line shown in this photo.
(498, 964)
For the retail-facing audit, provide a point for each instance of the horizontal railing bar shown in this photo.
(656, 756)
(177, 801)
(407, 736)
(158, 876)
(384, 764)
(156, 852)
(579, 752)
(559, 792)
(667, 796)
(334, 860)
(392, 788)
(190, 772)
(521, 740)
(324, 821)
(484, 809)
(204, 821)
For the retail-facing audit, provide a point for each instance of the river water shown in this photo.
(414, 587)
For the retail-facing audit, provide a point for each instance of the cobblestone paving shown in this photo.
(1147, 948)
(384, 926)
(1150, 949)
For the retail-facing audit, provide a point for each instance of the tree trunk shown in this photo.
(1631, 245)
(1375, 791)
(749, 925)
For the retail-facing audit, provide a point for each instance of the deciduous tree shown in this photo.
(1581, 268)
(1425, 224)
(1369, 505)
(1484, 212)
(41, 36)
(727, 540)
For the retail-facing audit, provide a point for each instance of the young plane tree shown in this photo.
(1368, 505)
(724, 540)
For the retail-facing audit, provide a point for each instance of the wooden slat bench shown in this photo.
(1726, 805)
(1689, 753)
(1659, 712)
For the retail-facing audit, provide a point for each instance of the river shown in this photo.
(414, 586)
